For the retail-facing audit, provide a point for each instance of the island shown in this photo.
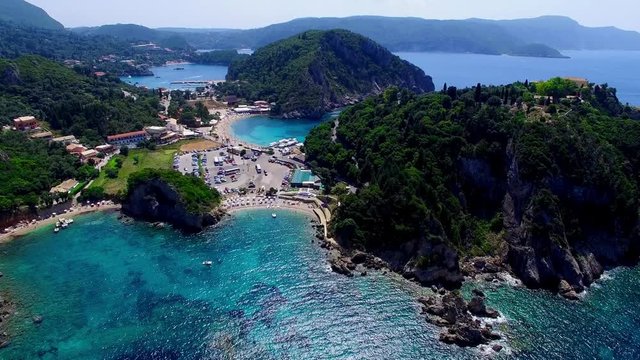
(312, 73)
(185, 202)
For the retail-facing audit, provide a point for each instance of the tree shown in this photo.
(478, 93)
(124, 150)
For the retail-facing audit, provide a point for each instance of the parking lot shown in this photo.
(229, 172)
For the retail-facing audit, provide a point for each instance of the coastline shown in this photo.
(23, 230)
(225, 132)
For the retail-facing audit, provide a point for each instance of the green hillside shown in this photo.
(23, 13)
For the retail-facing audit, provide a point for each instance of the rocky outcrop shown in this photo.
(455, 316)
(156, 201)
(540, 251)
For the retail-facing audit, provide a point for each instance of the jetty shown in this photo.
(197, 82)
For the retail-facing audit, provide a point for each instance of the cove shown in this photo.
(164, 75)
(263, 130)
(112, 291)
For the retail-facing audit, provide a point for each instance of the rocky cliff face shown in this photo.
(543, 254)
(156, 201)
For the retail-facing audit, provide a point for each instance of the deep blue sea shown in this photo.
(112, 291)
(164, 75)
(617, 68)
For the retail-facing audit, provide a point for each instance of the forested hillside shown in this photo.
(548, 184)
(316, 71)
(70, 102)
(20, 12)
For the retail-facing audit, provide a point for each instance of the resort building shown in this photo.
(105, 149)
(25, 123)
(43, 135)
(130, 138)
(66, 140)
(305, 179)
(65, 186)
(87, 155)
(76, 149)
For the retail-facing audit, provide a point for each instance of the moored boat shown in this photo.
(207, 263)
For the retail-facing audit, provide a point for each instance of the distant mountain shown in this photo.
(136, 33)
(539, 37)
(23, 13)
(396, 34)
(316, 71)
(567, 34)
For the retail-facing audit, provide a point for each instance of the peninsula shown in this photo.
(317, 71)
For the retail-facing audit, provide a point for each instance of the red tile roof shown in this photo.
(126, 135)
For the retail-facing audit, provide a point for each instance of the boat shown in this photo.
(56, 230)
(70, 221)
(64, 225)
(57, 224)
(179, 68)
(207, 263)
(274, 215)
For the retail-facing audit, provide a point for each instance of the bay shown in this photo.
(165, 75)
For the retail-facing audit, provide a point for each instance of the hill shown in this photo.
(396, 34)
(547, 188)
(136, 33)
(71, 102)
(567, 34)
(311, 73)
(22, 13)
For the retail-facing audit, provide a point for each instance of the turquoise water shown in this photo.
(617, 68)
(113, 291)
(164, 75)
(263, 130)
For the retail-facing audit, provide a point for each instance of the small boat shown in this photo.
(70, 221)
(64, 225)
(56, 230)
(274, 215)
(207, 263)
(57, 224)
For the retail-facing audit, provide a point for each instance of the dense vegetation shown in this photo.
(28, 169)
(219, 57)
(20, 12)
(136, 33)
(313, 72)
(474, 167)
(70, 102)
(196, 196)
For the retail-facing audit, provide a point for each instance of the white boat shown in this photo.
(64, 225)
(207, 263)
(56, 230)
(274, 215)
(70, 221)
(57, 224)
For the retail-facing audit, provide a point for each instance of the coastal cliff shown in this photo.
(478, 180)
(318, 71)
(167, 196)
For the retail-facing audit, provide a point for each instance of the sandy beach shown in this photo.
(224, 131)
(22, 229)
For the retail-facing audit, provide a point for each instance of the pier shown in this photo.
(197, 82)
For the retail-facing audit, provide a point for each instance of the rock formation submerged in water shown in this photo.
(318, 71)
(155, 196)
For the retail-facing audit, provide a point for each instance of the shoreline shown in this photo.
(225, 132)
(23, 230)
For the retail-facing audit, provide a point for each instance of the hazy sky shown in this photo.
(255, 13)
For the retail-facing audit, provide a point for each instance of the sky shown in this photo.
(244, 14)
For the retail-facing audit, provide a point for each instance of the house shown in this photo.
(306, 179)
(76, 149)
(88, 155)
(156, 131)
(130, 138)
(25, 123)
(168, 138)
(66, 140)
(65, 186)
(231, 100)
(105, 149)
(43, 135)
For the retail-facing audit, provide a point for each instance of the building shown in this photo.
(76, 149)
(231, 100)
(88, 155)
(43, 135)
(65, 186)
(168, 138)
(105, 149)
(25, 123)
(305, 179)
(155, 131)
(130, 138)
(66, 140)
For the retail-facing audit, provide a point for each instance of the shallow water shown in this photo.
(113, 291)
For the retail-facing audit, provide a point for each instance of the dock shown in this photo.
(196, 82)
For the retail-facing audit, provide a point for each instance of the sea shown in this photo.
(616, 68)
(108, 290)
(165, 75)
